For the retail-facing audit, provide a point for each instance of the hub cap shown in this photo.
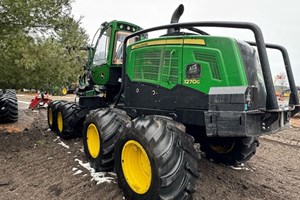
(50, 117)
(60, 122)
(136, 167)
(222, 149)
(93, 140)
(64, 91)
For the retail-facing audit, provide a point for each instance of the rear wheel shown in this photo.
(8, 106)
(229, 151)
(65, 115)
(156, 159)
(52, 113)
(99, 133)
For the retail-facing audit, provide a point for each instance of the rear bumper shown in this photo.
(235, 112)
(245, 123)
(231, 124)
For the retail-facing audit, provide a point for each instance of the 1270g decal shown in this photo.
(191, 81)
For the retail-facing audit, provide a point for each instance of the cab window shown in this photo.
(118, 48)
(101, 53)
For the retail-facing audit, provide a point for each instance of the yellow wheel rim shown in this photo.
(64, 91)
(136, 167)
(60, 122)
(222, 149)
(93, 140)
(50, 116)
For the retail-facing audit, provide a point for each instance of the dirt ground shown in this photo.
(35, 164)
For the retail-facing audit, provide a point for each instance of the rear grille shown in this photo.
(146, 65)
(211, 58)
(156, 65)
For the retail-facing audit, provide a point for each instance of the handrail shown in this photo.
(294, 98)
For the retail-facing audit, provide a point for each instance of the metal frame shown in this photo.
(294, 99)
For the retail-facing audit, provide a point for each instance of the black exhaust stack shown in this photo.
(175, 17)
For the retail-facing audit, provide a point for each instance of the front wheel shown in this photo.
(229, 151)
(99, 133)
(156, 159)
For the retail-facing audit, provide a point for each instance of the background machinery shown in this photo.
(8, 106)
(39, 100)
(181, 87)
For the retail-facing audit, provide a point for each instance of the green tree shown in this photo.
(32, 15)
(39, 43)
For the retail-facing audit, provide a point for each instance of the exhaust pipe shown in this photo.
(175, 17)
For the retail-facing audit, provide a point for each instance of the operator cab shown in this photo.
(109, 46)
(107, 57)
(104, 67)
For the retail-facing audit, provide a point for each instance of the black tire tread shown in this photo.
(68, 111)
(108, 122)
(54, 106)
(244, 149)
(173, 152)
(8, 106)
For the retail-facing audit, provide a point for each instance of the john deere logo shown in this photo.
(193, 71)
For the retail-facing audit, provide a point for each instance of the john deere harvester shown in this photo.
(181, 87)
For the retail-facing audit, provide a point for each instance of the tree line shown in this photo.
(39, 44)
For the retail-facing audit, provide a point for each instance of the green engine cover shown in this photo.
(198, 62)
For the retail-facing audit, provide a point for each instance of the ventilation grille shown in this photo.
(156, 65)
(146, 65)
(211, 58)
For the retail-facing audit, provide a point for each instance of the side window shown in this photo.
(118, 48)
(101, 54)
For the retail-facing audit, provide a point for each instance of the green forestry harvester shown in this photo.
(8, 106)
(146, 101)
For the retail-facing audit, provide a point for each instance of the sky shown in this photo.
(279, 20)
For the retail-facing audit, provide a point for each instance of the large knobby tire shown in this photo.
(229, 151)
(99, 134)
(8, 106)
(156, 159)
(52, 113)
(65, 115)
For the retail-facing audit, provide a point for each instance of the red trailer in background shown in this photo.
(40, 100)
